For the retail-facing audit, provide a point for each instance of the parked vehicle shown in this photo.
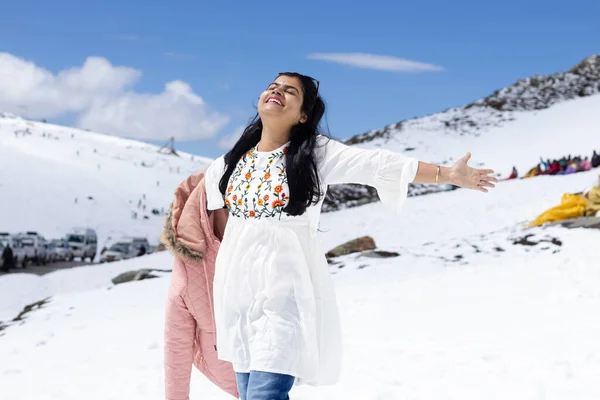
(117, 252)
(83, 243)
(127, 247)
(37, 246)
(59, 250)
(30, 249)
(51, 252)
(21, 255)
(138, 244)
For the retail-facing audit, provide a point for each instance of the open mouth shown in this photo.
(274, 100)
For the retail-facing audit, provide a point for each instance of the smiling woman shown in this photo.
(289, 104)
(274, 305)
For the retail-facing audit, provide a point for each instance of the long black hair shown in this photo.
(301, 164)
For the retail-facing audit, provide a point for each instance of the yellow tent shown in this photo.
(571, 206)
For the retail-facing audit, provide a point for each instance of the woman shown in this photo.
(275, 309)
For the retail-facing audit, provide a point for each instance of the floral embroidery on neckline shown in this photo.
(258, 192)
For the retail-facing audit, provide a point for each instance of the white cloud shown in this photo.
(228, 141)
(375, 61)
(100, 94)
(71, 90)
(177, 111)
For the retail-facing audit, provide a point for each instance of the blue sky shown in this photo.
(229, 51)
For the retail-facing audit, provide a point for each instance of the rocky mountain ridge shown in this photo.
(525, 95)
(534, 93)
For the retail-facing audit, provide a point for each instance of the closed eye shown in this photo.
(288, 88)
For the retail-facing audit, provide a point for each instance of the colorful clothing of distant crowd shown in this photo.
(563, 166)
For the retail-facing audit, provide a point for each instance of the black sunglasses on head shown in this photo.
(317, 83)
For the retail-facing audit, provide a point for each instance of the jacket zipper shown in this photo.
(212, 310)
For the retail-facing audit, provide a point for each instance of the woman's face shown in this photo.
(282, 101)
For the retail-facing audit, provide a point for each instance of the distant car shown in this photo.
(50, 252)
(60, 250)
(117, 252)
(36, 246)
(20, 254)
(31, 251)
(83, 243)
(127, 247)
(138, 243)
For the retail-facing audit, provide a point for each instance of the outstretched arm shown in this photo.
(460, 174)
(426, 173)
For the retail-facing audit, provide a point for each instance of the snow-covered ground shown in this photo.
(18, 290)
(42, 174)
(462, 313)
(516, 324)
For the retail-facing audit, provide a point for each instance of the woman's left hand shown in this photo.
(471, 178)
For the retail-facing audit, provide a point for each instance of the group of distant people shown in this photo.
(565, 165)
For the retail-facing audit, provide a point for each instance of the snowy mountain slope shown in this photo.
(535, 93)
(542, 116)
(56, 178)
(518, 324)
(570, 127)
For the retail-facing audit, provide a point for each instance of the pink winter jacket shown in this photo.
(190, 335)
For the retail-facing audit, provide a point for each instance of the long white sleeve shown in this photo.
(387, 171)
(213, 175)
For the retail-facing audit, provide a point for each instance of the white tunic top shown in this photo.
(274, 302)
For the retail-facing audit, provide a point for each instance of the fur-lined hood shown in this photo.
(185, 230)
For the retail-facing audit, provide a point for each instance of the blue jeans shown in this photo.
(258, 385)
